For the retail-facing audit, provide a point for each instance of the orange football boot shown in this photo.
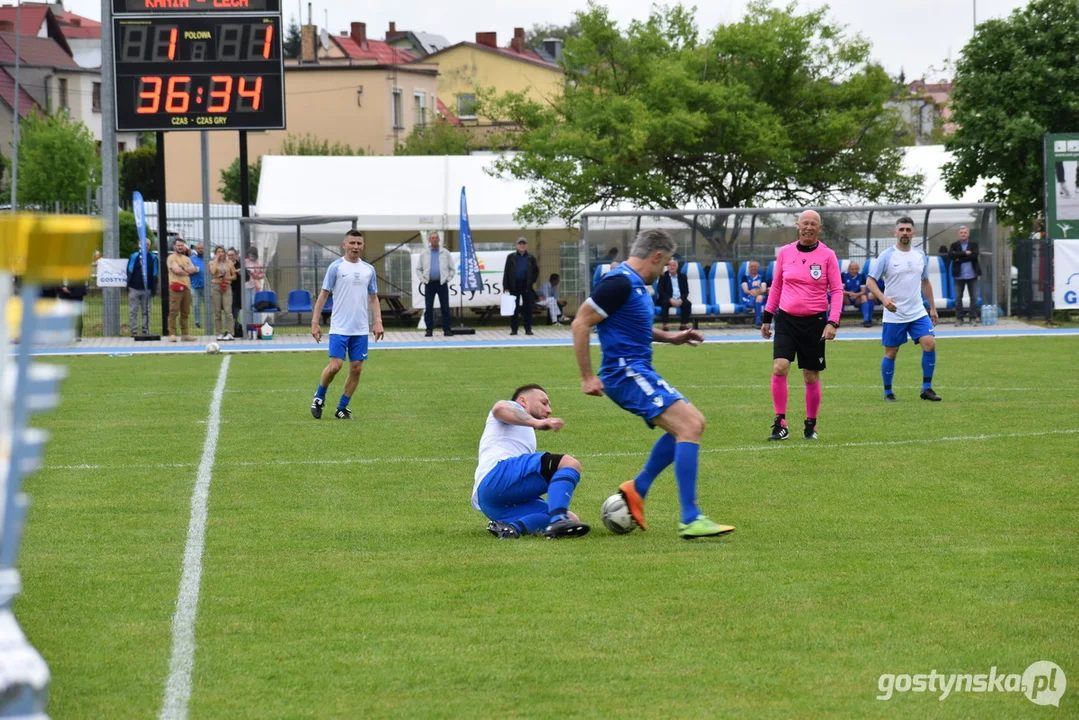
(634, 502)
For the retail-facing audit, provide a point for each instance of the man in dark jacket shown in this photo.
(518, 277)
(674, 294)
(965, 271)
(138, 295)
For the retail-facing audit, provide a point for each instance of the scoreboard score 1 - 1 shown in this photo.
(205, 71)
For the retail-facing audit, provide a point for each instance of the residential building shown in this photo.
(49, 79)
(420, 44)
(350, 90)
(466, 66)
(926, 109)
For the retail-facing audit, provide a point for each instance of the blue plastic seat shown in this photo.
(265, 296)
(299, 301)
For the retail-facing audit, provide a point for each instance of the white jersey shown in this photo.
(902, 273)
(352, 284)
(500, 441)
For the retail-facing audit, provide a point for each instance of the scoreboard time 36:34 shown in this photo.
(199, 72)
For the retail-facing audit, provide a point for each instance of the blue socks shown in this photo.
(685, 472)
(343, 402)
(662, 455)
(867, 311)
(887, 372)
(929, 363)
(533, 523)
(560, 491)
(757, 309)
(321, 393)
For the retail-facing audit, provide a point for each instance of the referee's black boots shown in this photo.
(779, 430)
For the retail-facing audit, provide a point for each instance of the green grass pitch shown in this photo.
(346, 575)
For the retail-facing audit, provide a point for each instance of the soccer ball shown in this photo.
(616, 516)
(213, 349)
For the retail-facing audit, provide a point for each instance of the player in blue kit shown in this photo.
(754, 291)
(512, 478)
(621, 310)
(352, 283)
(906, 271)
(854, 292)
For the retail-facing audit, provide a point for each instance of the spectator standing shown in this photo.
(966, 269)
(198, 281)
(518, 278)
(233, 256)
(138, 296)
(435, 271)
(222, 274)
(180, 271)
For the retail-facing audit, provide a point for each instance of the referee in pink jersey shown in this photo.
(805, 302)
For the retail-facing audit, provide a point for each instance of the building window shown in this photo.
(97, 97)
(398, 120)
(121, 146)
(466, 106)
(419, 109)
(63, 93)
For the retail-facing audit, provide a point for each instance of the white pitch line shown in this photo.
(182, 661)
(471, 458)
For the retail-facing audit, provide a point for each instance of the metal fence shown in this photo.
(1032, 289)
(856, 233)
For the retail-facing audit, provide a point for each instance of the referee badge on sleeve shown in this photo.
(815, 272)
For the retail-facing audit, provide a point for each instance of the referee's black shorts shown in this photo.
(802, 337)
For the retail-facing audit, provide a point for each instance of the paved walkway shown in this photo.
(545, 336)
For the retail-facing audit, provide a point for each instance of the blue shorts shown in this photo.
(640, 390)
(895, 334)
(355, 345)
(513, 488)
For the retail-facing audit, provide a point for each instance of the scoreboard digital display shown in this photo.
(172, 7)
(199, 72)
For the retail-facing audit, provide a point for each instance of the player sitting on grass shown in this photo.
(512, 477)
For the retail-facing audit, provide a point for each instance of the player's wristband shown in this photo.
(767, 317)
(834, 324)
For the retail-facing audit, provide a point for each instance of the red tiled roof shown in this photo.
(30, 20)
(7, 94)
(73, 32)
(377, 50)
(70, 18)
(35, 51)
(445, 112)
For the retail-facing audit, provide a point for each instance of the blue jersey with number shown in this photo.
(625, 334)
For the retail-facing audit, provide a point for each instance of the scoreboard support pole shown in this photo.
(162, 235)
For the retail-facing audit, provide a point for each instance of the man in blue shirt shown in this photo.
(965, 272)
(518, 278)
(855, 293)
(197, 284)
(621, 310)
(140, 297)
(754, 291)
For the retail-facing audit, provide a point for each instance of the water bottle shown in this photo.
(989, 314)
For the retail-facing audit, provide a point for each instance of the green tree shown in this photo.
(292, 145)
(539, 32)
(1016, 80)
(437, 138)
(292, 44)
(778, 107)
(129, 234)
(138, 171)
(58, 160)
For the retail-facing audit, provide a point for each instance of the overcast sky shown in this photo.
(911, 34)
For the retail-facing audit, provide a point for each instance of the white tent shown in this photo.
(392, 193)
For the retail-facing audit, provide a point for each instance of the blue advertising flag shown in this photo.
(140, 224)
(471, 280)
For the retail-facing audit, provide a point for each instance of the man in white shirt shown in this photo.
(352, 283)
(435, 271)
(511, 477)
(905, 272)
(548, 295)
